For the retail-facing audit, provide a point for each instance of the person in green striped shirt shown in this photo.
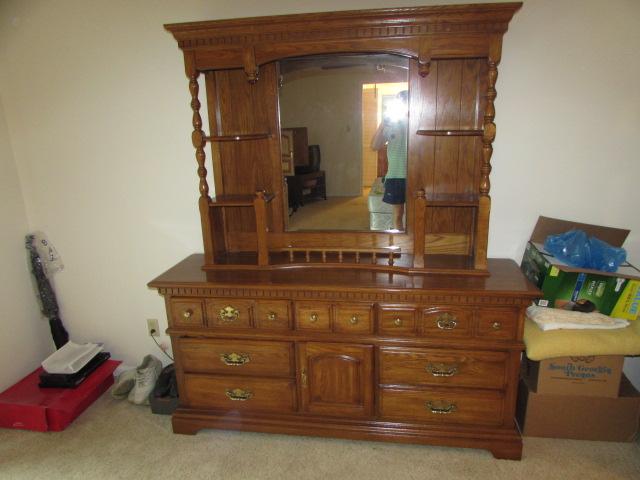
(393, 133)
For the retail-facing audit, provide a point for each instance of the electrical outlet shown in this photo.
(152, 327)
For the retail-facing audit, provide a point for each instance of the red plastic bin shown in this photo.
(28, 407)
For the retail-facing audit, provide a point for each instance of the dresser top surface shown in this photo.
(505, 278)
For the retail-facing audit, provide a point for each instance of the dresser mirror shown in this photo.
(293, 105)
(343, 119)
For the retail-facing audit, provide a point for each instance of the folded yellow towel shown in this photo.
(567, 343)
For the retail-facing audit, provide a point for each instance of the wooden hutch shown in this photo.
(410, 336)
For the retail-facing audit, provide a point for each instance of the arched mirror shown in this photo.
(343, 121)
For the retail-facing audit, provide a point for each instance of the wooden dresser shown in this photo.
(409, 335)
(353, 354)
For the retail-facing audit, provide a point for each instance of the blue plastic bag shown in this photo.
(578, 250)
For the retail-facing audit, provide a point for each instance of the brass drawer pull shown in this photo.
(496, 325)
(446, 321)
(271, 316)
(353, 320)
(188, 313)
(303, 377)
(229, 314)
(397, 322)
(442, 369)
(313, 318)
(238, 394)
(235, 359)
(441, 407)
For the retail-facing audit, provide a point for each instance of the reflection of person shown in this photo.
(393, 132)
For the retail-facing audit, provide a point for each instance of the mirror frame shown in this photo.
(419, 33)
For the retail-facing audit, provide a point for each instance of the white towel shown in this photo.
(555, 319)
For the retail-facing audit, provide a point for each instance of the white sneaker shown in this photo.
(145, 379)
(124, 384)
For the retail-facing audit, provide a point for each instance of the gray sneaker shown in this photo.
(124, 384)
(145, 379)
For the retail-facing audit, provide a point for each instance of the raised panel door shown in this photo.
(336, 379)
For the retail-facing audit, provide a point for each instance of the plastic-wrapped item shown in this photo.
(578, 250)
(605, 257)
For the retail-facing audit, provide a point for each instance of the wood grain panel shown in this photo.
(415, 366)
(446, 322)
(470, 148)
(464, 407)
(249, 165)
(420, 168)
(498, 323)
(236, 357)
(448, 98)
(186, 312)
(216, 306)
(274, 314)
(397, 320)
(313, 316)
(336, 379)
(264, 394)
(351, 318)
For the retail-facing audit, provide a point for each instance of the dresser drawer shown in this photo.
(441, 405)
(236, 357)
(313, 316)
(498, 323)
(186, 312)
(353, 318)
(240, 393)
(228, 312)
(417, 366)
(272, 314)
(397, 321)
(445, 322)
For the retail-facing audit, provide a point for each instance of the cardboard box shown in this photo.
(579, 417)
(594, 376)
(28, 407)
(616, 294)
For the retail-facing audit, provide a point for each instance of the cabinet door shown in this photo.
(336, 379)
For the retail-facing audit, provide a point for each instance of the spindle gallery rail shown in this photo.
(357, 253)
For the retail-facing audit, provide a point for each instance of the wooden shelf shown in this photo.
(450, 133)
(239, 137)
(451, 200)
(237, 200)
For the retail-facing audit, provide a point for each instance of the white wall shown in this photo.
(24, 336)
(97, 108)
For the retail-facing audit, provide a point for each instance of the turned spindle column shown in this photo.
(488, 136)
(199, 142)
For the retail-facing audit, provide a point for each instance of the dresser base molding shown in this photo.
(502, 443)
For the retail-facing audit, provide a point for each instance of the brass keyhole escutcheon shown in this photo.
(229, 314)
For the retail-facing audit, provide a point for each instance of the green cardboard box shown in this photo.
(616, 294)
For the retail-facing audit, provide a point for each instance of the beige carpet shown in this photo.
(116, 440)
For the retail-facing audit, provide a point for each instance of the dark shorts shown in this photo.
(394, 191)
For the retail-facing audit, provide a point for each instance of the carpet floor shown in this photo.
(116, 440)
(334, 213)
